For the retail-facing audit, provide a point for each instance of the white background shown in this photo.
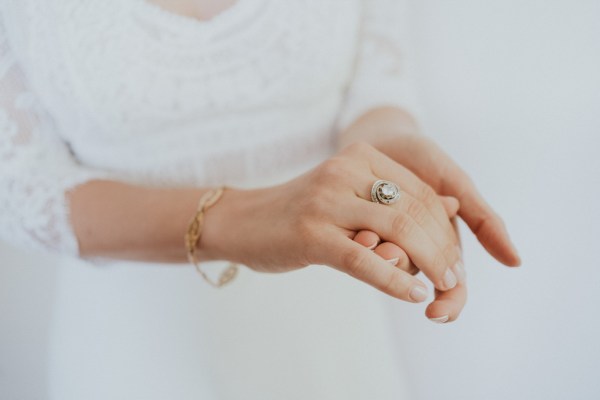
(512, 90)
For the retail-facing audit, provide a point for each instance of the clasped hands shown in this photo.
(326, 216)
(429, 210)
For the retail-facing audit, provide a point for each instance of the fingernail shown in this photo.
(440, 320)
(371, 247)
(449, 280)
(418, 294)
(393, 261)
(459, 271)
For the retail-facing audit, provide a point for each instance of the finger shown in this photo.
(451, 205)
(447, 305)
(459, 267)
(369, 239)
(396, 256)
(386, 168)
(390, 253)
(359, 262)
(449, 179)
(410, 226)
(486, 224)
(454, 222)
(387, 250)
(426, 199)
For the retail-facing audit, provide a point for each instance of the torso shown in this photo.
(252, 90)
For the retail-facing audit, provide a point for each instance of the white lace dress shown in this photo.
(124, 90)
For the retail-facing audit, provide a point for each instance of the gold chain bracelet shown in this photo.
(192, 238)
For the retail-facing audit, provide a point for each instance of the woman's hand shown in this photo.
(394, 254)
(425, 158)
(313, 218)
(447, 305)
(386, 129)
(395, 133)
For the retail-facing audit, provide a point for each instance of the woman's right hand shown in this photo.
(313, 218)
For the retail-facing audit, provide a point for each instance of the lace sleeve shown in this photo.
(383, 71)
(36, 167)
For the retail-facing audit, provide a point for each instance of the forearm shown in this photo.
(377, 125)
(122, 221)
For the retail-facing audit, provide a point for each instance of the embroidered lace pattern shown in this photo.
(125, 90)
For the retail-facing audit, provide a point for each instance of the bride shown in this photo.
(118, 118)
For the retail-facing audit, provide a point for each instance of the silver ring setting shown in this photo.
(385, 192)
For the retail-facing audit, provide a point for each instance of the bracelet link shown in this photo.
(194, 233)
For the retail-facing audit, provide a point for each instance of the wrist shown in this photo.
(220, 227)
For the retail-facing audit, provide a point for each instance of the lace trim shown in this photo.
(37, 169)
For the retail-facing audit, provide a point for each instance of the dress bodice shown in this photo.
(123, 89)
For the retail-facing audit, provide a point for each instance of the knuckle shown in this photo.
(427, 195)
(331, 169)
(394, 284)
(323, 191)
(417, 211)
(333, 173)
(354, 261)
(450, 252)
(401, 225)
(439, 263)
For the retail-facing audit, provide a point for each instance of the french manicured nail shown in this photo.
(449, 279)
(440, 320)
(393, 261)
(371, 247)
(418, 294)
(459, 271)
